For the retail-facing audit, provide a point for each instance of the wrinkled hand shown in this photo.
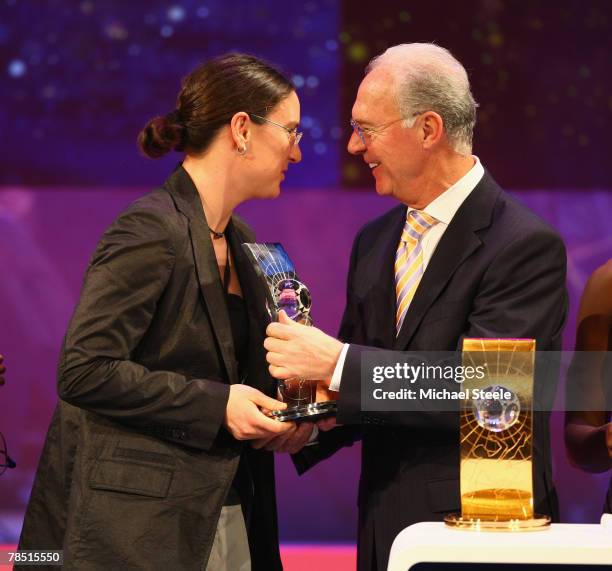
(290, 442)
(244, 419)
(2, 370)
(296, 350)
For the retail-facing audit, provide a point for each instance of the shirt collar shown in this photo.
(446, 205)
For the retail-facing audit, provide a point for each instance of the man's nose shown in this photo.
(355, 145)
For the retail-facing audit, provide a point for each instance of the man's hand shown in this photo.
(290, 442)
(2, 370)
(296, 350)
(246, 421)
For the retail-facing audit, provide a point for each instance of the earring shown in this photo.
(241, 151)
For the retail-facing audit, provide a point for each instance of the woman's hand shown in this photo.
(326, 424)
(244, 419)
(292, 441)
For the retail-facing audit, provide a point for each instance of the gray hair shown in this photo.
(429, 78)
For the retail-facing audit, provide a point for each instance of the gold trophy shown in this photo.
(306, 398)
(496, 433)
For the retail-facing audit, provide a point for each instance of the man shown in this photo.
(456, 258)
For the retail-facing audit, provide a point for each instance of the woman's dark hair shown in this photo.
(209, 97)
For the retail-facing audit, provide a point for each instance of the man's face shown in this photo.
(393, 152)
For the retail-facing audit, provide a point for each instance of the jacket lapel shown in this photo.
(250, 283)
(384, 272)
(188, 202)
(255, 299)
(457, 244)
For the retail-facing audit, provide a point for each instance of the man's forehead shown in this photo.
(375, 97)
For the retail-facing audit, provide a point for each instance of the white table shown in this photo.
(560, 543)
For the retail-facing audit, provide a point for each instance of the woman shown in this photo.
(162, 372)
(588, 432)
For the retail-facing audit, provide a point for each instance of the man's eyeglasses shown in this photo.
(366, 134)
(295, 136)
(5, 460)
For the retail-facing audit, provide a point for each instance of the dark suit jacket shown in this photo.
(498, 271)
(137, 463)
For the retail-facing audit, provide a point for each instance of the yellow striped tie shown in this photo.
(409, 262)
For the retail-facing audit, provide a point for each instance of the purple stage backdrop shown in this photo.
(47, 236)
(81, 77)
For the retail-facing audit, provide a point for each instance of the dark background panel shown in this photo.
(539, 70)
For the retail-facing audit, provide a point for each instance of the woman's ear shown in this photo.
(240, 127)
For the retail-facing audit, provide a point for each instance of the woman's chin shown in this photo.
(274, 192)
(264, 193)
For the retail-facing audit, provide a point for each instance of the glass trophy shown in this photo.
(284, 290)
(496, 432)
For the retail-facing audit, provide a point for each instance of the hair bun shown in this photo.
(161, 135)
(174, 118)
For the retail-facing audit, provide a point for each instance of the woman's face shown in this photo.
(272, 148)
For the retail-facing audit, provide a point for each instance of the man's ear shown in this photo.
(240, 127)
(432, 129)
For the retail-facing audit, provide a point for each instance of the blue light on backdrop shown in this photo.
(80, 79)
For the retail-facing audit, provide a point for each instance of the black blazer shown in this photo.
(137, 463)
(498, 271)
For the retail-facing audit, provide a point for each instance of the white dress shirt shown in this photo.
(443, 209)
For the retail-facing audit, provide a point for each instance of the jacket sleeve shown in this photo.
(125, 279)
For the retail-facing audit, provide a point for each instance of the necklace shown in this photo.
(225, 280)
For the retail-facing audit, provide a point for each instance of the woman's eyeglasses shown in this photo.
(295, 136)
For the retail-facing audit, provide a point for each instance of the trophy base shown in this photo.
(537, 523)
(307, 412)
